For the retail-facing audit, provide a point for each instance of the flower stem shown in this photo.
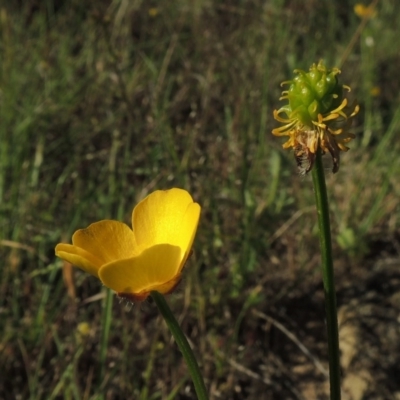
(106, 324)
(183, 345)
(321, 200)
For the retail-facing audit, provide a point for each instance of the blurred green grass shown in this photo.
(102, 103)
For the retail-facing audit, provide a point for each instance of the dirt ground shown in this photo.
(292, 363)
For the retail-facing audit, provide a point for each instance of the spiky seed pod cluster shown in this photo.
(317, 115)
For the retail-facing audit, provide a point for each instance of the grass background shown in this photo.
(102, 102)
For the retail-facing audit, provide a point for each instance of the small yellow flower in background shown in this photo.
(317, 116)
(375, 91)
(150, 257)
(365, 11)
(83, 329)
(82, 332)
(153, 12)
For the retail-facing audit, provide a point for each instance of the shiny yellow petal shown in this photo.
(168, 216)
(79, 257)
(156, 268)
(99, 244)
(188, 230)
(107, 240)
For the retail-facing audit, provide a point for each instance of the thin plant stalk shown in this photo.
(321, 200)
(105, 333)
(183, 345)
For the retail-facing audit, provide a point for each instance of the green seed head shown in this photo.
(314, 92)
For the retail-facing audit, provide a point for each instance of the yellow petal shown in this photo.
(156, 268)
(188, 230)
(99, 244)
(168, 216)
(79, 257)
(107, 240)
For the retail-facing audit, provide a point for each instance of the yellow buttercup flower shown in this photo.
(148, 258)
(363, 11)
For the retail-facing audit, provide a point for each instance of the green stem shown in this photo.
(183, 345)
(321, 199)
(106, 324)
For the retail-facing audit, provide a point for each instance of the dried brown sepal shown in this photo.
(304, 159)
